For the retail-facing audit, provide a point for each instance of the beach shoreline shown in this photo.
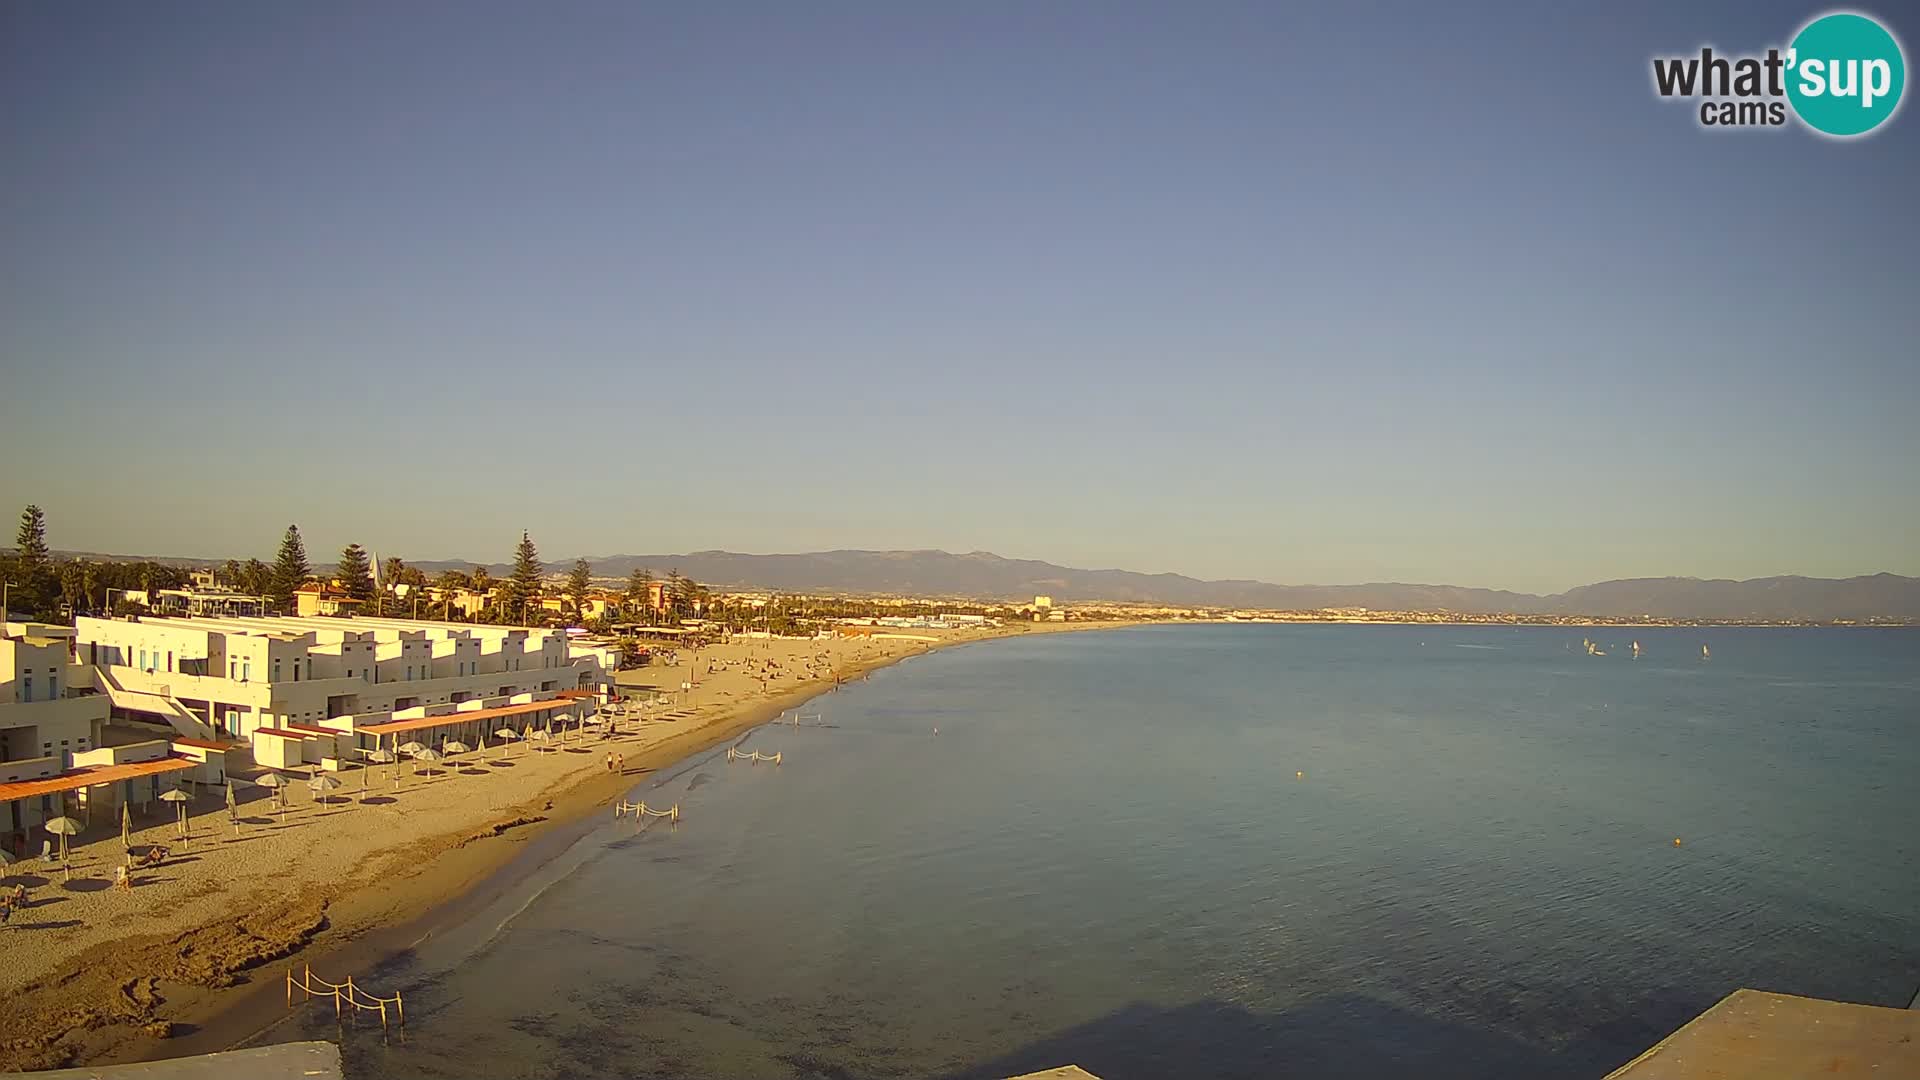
(219, 983)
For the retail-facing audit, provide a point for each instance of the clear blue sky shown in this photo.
(1376, 292)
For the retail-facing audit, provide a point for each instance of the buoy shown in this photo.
(1676, 841)
(1300, 776)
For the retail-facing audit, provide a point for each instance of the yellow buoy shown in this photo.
(1676, 841)
(1299, 776)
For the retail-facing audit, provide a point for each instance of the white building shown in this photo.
(47, 708)
(227, 678)
(49, 722)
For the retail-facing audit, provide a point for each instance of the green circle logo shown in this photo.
(1845, 74)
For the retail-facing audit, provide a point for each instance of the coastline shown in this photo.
(105, 1006)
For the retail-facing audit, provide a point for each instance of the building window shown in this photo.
(26, 685)
(246, 671)
(53, 687)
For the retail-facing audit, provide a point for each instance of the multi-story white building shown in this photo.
(230, 677)
(47, 708)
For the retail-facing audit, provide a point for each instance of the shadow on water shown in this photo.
(1346, 1035)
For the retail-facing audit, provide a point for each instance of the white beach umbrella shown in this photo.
(63, 827)
(179, 799)
(506, 735)
(320, 784)
(412, 747)
(455, 747)
(428, 756)
(273, 782)
(540, 736)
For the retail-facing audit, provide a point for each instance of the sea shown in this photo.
(1217, 851)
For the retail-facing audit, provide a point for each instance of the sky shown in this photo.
(1358, 292)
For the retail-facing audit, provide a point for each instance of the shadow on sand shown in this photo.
(1347, 1035)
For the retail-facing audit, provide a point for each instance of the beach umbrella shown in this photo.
(428, 756)
(412, 748)
(541, 736)
(320, 784)
(179, 799)
(506, 735)
(126, 826)
(273, 782)
(455, 747)
(381, 757)
(233, 808)
(63, 827)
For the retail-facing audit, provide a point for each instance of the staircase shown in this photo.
(163, 705)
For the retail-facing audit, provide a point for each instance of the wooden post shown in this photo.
(398, 1007)
(289, 986)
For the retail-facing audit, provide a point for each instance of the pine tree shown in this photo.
(290, 570)
(640, 594)
(579, 580)
(676, 592)
(523, 587)
(356, 572)
(37, 590)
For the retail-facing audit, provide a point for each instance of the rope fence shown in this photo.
(641, 810)
(345, 995)
(754, 756)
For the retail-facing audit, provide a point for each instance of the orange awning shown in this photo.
(92, 776)
(394, 727)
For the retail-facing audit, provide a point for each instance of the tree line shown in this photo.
(43, 588)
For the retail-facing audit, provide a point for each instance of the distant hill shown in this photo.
(987, 576)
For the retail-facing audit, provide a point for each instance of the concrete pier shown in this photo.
(1752, 1033)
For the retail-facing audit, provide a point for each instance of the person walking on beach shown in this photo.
(620, 763)
(609, 762)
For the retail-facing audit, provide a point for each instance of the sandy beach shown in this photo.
(97, 973)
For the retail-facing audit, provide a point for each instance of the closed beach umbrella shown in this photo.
(126, 827)
(233, 808)
(63, 827)
(179, 799)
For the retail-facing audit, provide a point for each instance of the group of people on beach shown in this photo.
(616, 762)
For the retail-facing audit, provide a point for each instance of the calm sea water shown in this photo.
(1107, 856)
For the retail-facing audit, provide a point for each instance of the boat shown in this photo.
(1705, 653)
(1636, 650)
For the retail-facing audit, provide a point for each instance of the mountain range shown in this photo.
(986, 576)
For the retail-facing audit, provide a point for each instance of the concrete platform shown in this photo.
(288, 1061)
(1752, 1033)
